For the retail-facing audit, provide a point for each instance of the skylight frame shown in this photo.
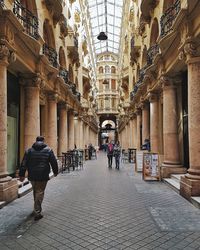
(99, 23)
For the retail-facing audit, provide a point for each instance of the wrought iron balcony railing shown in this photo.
(64, 74)
(51, 54)
(76, 42)
(151, 53)
(2, 3)
(27, 19)
(168, 18)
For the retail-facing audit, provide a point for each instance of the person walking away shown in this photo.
(117, 154)
(110, 154)
(37, 161)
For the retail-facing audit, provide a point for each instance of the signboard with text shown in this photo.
(151, 169)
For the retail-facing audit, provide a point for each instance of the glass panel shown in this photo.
(111, 26)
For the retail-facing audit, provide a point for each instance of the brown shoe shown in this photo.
(38, 217)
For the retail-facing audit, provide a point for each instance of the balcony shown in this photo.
(2, 3)
(151, 53)
(51, 54)
(168, 18)
(26, 18)
(55, 7)
(64, 74)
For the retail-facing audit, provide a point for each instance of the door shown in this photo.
(185, 121)
(12, 147)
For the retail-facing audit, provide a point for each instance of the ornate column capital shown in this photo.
(53, 97)
(138, 111)
(32, 80)
(188, 50)
(152, 97)
(63, 105)
(168, 82)
(6, 56)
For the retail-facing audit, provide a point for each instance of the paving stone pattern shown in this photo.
(99, 208)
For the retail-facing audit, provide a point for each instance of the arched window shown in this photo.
(71, 74)
(154, 32)
(100, 70)
(113, 69)
(48, 34)
(62, 59)
(113, 84)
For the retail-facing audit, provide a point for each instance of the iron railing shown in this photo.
(75, 42)
(168, 18)
(51, 54)
(64, 74)
(2, 3)
(151, 53)
(27, 19)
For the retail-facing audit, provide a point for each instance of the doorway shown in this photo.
(185, 120)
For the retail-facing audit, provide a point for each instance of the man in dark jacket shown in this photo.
(37, 161)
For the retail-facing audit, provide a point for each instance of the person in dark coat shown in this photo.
(38, 161)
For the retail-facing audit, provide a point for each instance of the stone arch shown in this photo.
(154, 32)
(62, 59)
(48, 34)
(113, 69)
(100, 70)
(71, 73)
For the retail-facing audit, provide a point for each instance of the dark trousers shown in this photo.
(117, 160)
(110, 157)
(38, 195)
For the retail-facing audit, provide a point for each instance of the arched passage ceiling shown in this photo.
(106, 15)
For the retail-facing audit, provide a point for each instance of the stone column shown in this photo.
(138, 137)
(154, 122)
(71, 130)
(134, 124)
(130, 132)
(52, 122)
(145, 121)
(87, 134)
(76, 131)
(32, 110)
(171, 162)
(81, 137)
(8, 186)
(190, 183)
(63, 129)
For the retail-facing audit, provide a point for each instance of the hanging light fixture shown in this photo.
(102, 35)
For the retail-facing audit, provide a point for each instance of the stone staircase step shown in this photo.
(2, 204)
(174, 183)
(24, 190)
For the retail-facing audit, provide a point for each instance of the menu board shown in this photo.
(139, 160)
(151, 169)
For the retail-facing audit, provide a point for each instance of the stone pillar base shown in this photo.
(189, 187)
(167, 170)
(8, 190)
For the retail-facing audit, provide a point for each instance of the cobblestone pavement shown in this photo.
(100, 208)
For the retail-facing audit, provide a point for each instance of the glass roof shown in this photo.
(106, 15)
